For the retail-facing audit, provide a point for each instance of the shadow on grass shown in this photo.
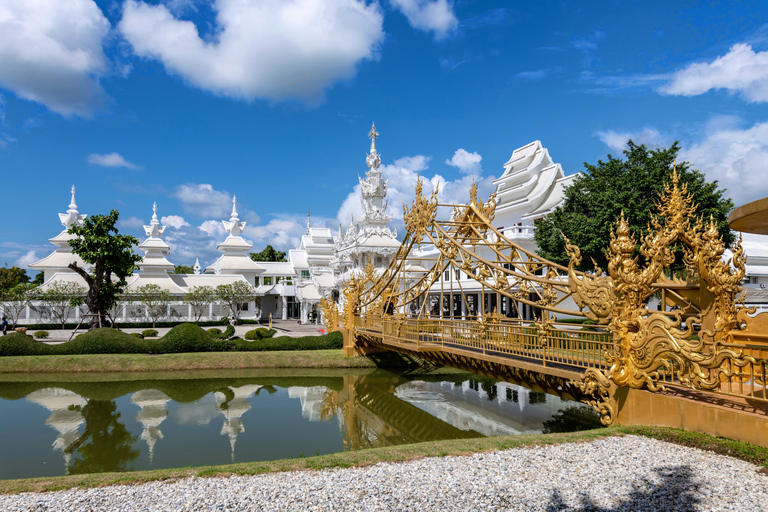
(675, 490)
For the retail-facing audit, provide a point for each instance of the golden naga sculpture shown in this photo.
(649, 346)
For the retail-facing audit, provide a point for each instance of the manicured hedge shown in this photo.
(182, 338)
(260, 333)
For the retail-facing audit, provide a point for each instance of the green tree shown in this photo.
(12, 276)
(183, 269)
(268, 254)
(199, 298)
(14, 301)
(110, 260)
(39, 278)
(596, 199)
(61, 297)
(105, 445)
(153, 301)
(235, 295)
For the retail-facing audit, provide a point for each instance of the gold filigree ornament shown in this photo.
(330, 314)
(597, 392)
(421, 214)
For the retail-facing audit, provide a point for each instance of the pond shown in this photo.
(55, 427)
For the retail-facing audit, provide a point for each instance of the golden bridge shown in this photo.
(460, 293)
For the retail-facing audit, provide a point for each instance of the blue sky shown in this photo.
(189, 102)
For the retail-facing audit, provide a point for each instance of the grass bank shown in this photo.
(740, 450)
(185, 361)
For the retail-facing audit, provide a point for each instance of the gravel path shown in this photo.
(610, 474)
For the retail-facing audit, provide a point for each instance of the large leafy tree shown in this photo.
(268, 254)
(110, 259)
(631, 184)
(183, 269)
(12, 276)
(199, 298)
(235, 295)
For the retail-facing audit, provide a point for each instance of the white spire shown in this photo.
(372, 135)
(373, 160)
(197, 268)
(309, 225)
(233, 226)
(72, 216)
(154, 230)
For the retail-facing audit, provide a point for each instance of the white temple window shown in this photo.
(305, 274)
(244, 306)
(447, 275)
(458, 275)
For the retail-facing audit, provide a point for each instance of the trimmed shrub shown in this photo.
(215, 331)
(149, 333)
(103, 341)
(333, 340)
(137, 335)
(18, 344)
(191, 338)
(41, 335)
(259, 334)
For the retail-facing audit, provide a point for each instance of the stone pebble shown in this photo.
(628, 473)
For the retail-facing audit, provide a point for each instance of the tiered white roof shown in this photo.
(314, 254)
(154, 410)
(62, 256)
(65, 416)
(235, 248)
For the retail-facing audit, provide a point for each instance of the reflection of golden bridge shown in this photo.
(372, 416)
(697, 362)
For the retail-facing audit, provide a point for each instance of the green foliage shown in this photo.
(596, 199)
(215, 331)
(18, 344)
(104, 340)
(153, 301)
(61, 297)
(183, 269)
(15, 300)
(268, 254)
(41, 335)
(191, 338)
(260, 333)
(149, 333)
(235, 295)
(38, 280)
(12, 276)
(199, 297)
(332, 340)
(111, 256)
(137, 335)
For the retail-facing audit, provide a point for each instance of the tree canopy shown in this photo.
(268, 254)
(11, 276)
(109, 257)
(183, 269)
(595, 200)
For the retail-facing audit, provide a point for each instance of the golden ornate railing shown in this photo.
(471, 289)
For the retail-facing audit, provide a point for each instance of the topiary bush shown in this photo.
(329, 341)
(149, 333)
(41, 335)
(103, 341)
(259, 334)
(137, 335)
(191, 338)
(215, 331)
(18, 344)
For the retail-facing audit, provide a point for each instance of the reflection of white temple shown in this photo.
(311, 400)
(153, 411)
(63, 418)
(234, 410)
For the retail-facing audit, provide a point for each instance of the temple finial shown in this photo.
(72, 204)
(154, 229)
(234, 208)
(372, 135)
(309, 224)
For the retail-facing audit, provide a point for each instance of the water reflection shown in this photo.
(144, 424)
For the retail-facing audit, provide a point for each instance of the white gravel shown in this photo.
(610, 474)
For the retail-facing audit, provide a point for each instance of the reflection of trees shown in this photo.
(572, 419)
(105, 445)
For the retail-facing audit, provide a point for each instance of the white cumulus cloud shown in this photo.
(740, 71)
(202, 200)
(175, 221)
(735, 157)
(429, 15)
(466, 162)
(132, 223)
(26, 259)
(270, 49)
(617, 140)
(51, 53)
(110, 160)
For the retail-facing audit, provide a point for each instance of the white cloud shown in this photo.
(741, 71)
(213, 228)
(202, 200)
(51, 53)
(430, 16)
(402, 176)
(174, 221)
(110, 160)
(617, 141)
(276, 50)
(26, 259)
(733, 156)
(134, 223)
(466, 162)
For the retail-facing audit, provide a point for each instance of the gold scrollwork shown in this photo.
(421, 214)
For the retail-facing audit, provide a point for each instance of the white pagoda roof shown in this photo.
(277, 268)
(235, 248)
(154, 247)
(163, 281)
(63, 255)
(63, 277)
